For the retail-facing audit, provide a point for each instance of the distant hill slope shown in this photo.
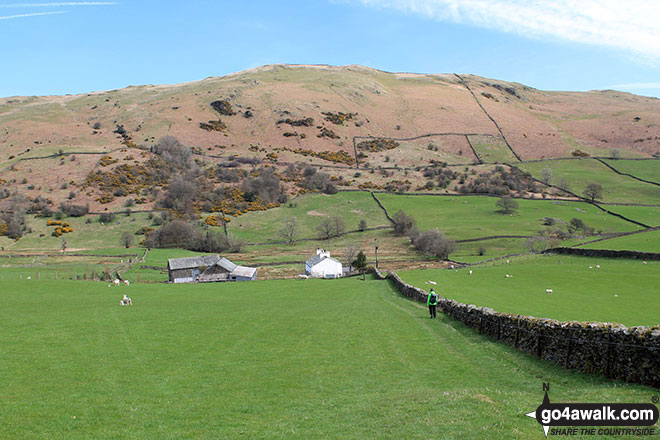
(322, 114)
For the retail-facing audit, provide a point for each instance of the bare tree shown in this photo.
(290, 229)
(340, 226)
(350, 253)
(63, 244)
(546, 175)
(593, 191)
(362, 226)
(402, 222)
(127, 239)
(326, 228)
(563, 184)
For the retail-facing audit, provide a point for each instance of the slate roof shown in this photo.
(316, 259)
(190, 262)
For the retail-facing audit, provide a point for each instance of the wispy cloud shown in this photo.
(636, 86)
(55, 5)
(631, 26)
(7, 17)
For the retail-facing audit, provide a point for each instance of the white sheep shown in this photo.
(507, 275)
(548, 291)
(591, 267)
(128, 283)
(598, 266)
(115, 282)
(432, 282)
(470, 273)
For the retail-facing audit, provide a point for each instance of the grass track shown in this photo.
(304, 359)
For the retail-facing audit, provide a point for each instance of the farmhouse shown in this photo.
(207, 268)
(322, 266)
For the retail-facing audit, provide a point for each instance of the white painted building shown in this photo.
(323, 266)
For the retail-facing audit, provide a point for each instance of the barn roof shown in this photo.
(227, 265)
(242, 271)
(190, 262)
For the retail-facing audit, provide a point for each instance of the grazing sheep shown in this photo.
(128, 283)
(470, 273)
(115, 282)
(432, 282)
(598, 266)
(591, 267)
(507, 261)
(548, 291)
(507, 275)
(644, 262)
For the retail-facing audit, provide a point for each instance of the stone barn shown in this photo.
(207, 268)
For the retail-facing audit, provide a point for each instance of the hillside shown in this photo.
(267, 112)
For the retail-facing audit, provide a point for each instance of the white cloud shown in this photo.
(52, 5)
(7, 17)
(631, 26)
(636, 86)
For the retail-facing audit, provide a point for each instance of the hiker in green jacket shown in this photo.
(432, 301)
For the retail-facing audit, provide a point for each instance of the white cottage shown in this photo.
(322, 266)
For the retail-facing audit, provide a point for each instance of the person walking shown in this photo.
(432, 301)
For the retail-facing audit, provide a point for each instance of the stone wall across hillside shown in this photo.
(630, 354)
(604, 253)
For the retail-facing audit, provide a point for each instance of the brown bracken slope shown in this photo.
(275, 109)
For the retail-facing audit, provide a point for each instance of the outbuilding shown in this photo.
(323, 266)
(207, 268)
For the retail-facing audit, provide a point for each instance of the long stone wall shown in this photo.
(604, 253)
(631, 354)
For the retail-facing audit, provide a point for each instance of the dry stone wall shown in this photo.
(631, 354)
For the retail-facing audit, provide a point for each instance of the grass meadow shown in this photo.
(309, 210)
(579, 173)
(644, 169)
(477, 216)
(623, 291)
(643, 242)
(311, 359)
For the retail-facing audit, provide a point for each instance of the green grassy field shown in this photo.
(649, 215)
(579, 293)
(492, 150)
(85, 236)
(345, 359)
(476, 216)
(309, 210)
(644, 169)
(643, 242)
(579, 173)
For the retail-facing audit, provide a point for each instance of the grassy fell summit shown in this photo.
(345, 117)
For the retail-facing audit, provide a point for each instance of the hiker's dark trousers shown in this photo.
(432, 310)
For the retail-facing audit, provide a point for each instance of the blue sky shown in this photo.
(77, 47)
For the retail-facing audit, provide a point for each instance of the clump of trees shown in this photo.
(501, 181)
(434, 243)
(431, 242)
(331, 227)
(182, 234)
(318, 181)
